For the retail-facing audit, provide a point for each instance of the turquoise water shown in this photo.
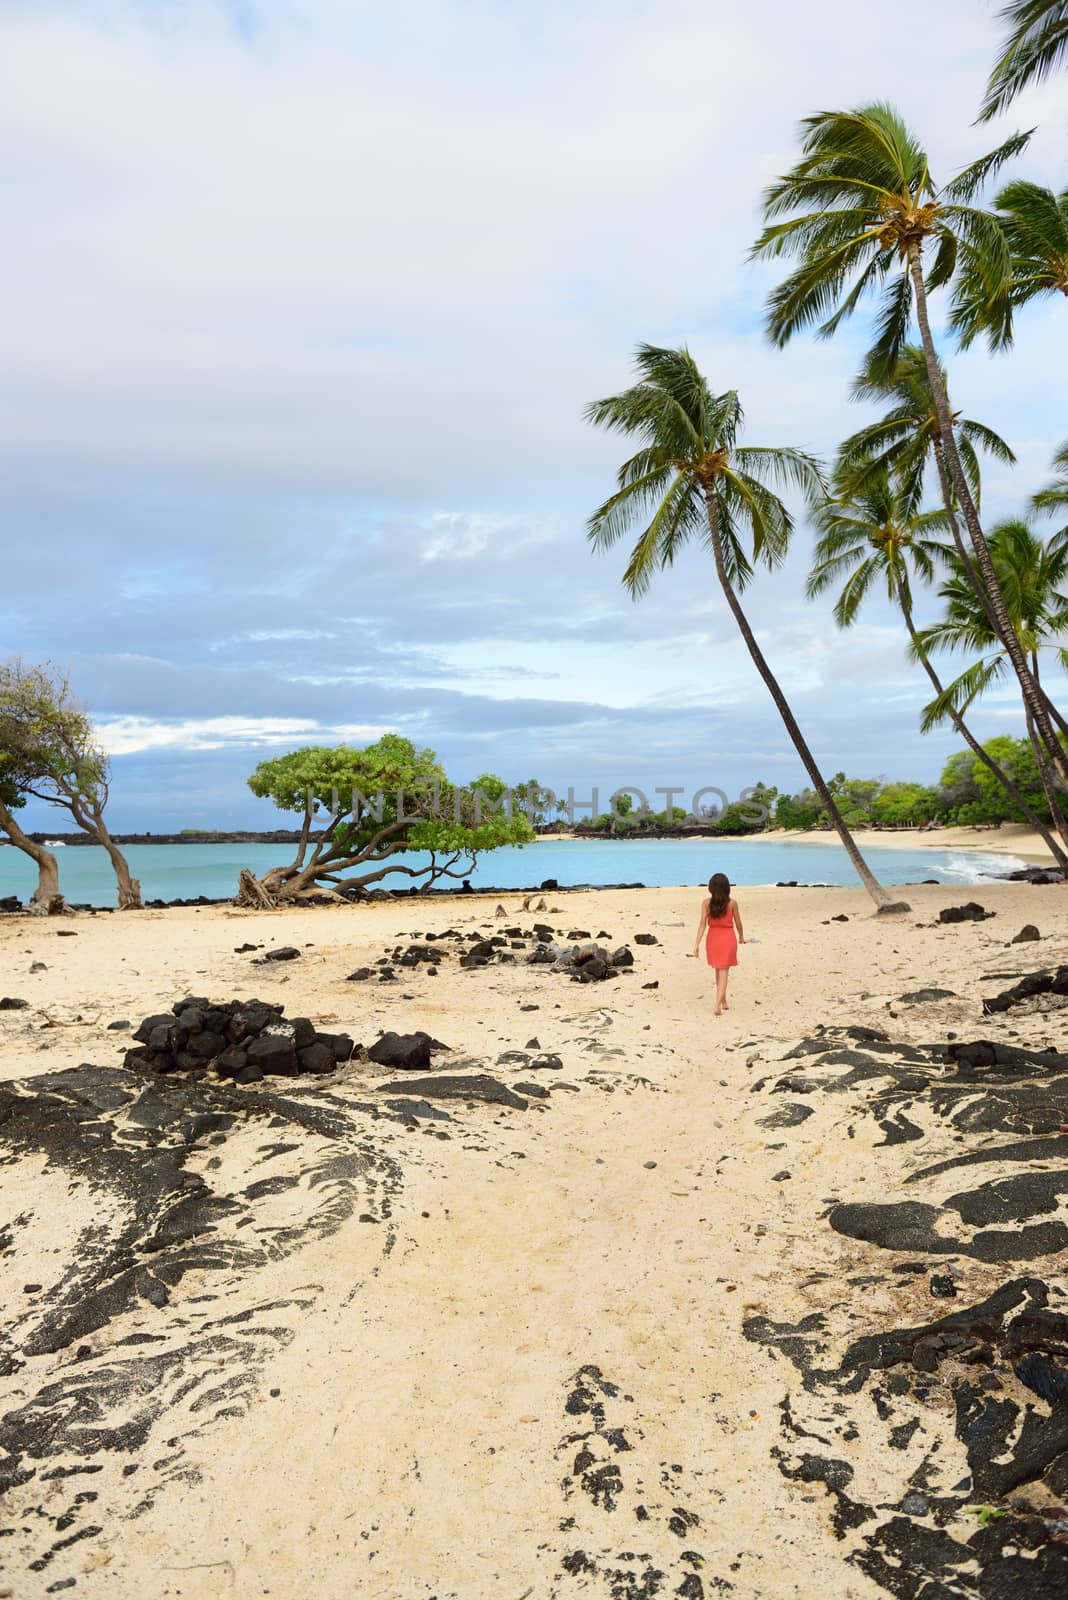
(183, 871)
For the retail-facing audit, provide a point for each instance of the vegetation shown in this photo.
(691, 479)
(1037, 41)
(51, 752)
(376, 804)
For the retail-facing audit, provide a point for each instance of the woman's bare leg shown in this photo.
(721, 990)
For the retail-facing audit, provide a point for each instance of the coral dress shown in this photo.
(721, 941)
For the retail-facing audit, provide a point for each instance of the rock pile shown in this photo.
(240, 1039)
(585, 961)
(970, 912)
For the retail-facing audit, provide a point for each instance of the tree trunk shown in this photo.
(973, 744)
(46, 900)
(92, 822)
(882, 899)
(998, 611)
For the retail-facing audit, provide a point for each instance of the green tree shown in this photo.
(1032, 573)
(1054, 497)
(797, 811)
(691, 480)
(61, 758)
(1018, 757)
(1034, 221)
(907, 805)
(376, 803)
(863, 212)
(1037, 41)
(873, 537)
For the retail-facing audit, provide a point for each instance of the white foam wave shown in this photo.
(973, 866)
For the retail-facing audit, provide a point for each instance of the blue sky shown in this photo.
(305, 304)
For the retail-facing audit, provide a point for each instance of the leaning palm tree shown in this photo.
(875, 537)
(906, 439)
(1037, 42)
(1054, 497)
(690, 479)
(1034, 576)
(1034, 221)
(863, 211)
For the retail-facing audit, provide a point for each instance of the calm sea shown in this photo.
(183, 871)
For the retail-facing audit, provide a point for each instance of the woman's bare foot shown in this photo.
(716, 1011)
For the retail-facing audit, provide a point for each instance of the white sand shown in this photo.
(419, 1445)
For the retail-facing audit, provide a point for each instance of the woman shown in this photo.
(720, 915)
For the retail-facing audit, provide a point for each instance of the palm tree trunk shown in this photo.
(973, 744)
(46, 900)
(1033, 698)
(882, 899)
(1049, 777)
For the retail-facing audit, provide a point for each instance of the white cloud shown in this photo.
(124, 736)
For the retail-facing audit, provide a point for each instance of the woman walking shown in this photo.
(721, 917)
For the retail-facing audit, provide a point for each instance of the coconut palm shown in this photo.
(906, 439)
(863, 211)
(1034, 221)
(1037, 42)
(1054, 497)
(691, 480)
(874, 536)
(1034, 574)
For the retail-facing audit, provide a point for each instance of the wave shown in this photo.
(974, 866)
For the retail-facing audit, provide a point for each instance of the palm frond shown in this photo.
(1037, 42)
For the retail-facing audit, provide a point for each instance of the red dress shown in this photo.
(721, 941)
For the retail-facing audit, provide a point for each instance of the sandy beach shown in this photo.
(444, 1347)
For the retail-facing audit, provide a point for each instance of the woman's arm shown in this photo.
(738, 921)
(700, 926)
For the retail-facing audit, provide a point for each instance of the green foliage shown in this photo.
(1037, 41)
(1034, 222)
(48, 746)
(860, 202)
(690, 470)
(390, 796)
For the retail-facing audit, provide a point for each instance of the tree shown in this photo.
(1034, 221)
(874, 537)
(690, 479)
(61, 759)
(863, 211)
(1037, 41)
(1054, 497)
(46, 899)
(1032, 572)
(378, 803)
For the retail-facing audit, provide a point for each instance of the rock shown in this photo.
(942, 1286)
(841, 917)
(360, 975)
(408, 1052)
(479, 1086)
(8, 1004)
(654, 985)
(970, 912)
(895, 908)
(231, 1062)
(546, 1062)
(1028, 934)
(646, 938)
(274, 1052)
(550, 884)
(421, 1109)
(623, 957)
(316, 1058)
(243, 949)
(286, 953)
(339, 1043)
(920, 997)
(38, 966)
(117, 1027)
(249, 1074)
(10, 902)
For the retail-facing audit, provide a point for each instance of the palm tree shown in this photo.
(690, 479)
(1033, 573)
(876, 212)
(1054, 497)
(1037, 41)
(907, 439)
(875, 535)
(1034, 221)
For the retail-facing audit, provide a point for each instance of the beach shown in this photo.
(539, 1349)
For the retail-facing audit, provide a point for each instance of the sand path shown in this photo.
(432, 1402)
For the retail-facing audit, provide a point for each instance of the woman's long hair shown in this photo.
(719, 889)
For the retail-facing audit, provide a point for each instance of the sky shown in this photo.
(302, 304)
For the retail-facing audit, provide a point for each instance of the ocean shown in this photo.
(183, 871)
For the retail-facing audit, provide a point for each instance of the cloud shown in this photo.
(307, 302)
(126, 736)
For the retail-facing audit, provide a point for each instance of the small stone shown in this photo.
(1028, 934)
(942, 1286)
(8, 1004)
(649, 1165)
(118, 1027)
